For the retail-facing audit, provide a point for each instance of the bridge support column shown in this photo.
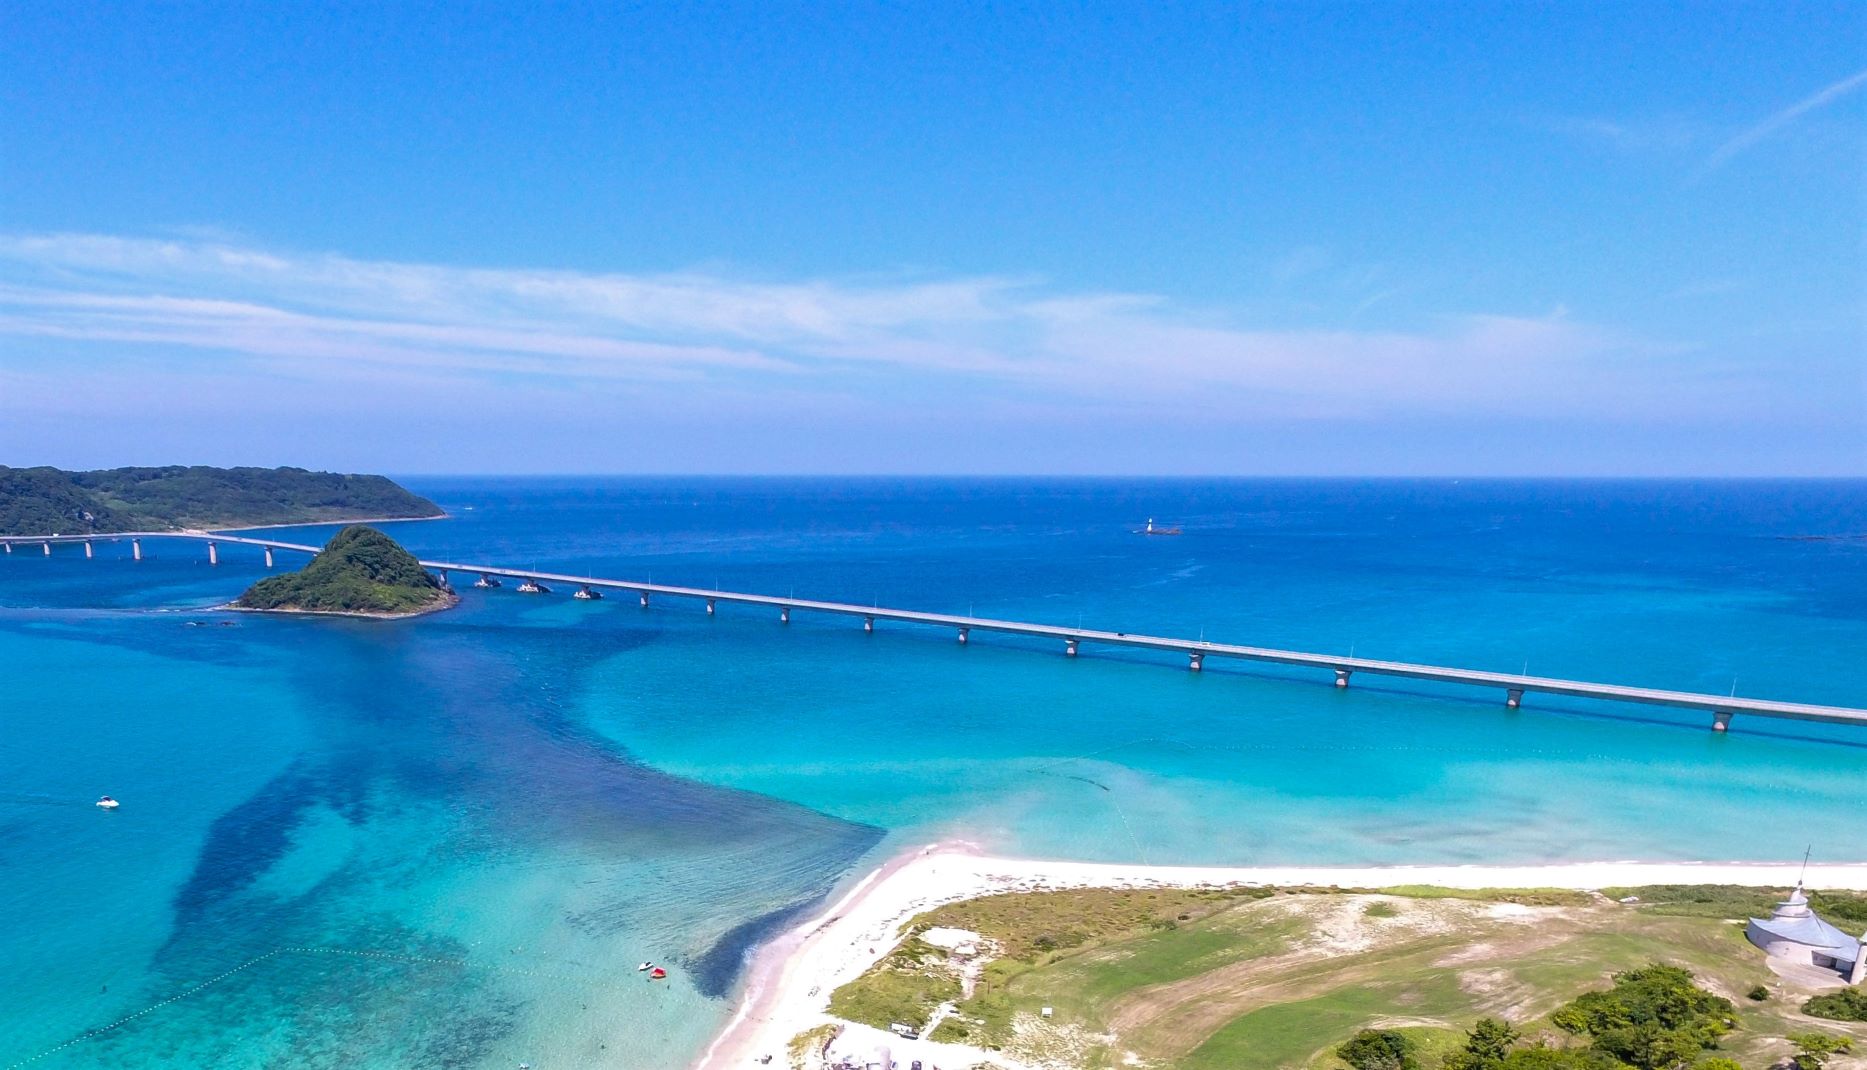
(1195, 662)
(710, 607)
(1341, 677)
(644, 599)
(784, 614)
(136, 549)
(213, 554)
(963, 633)
(868, 624)
(1513, 698)
(48, 548)
(9, 547)
(269, 565)
(89, 552)
(1721, 720)
(1069, 647)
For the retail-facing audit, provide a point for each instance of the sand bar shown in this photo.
(789, 984)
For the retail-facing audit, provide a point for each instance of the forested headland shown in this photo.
(51, 501)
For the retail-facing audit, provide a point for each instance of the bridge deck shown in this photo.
(1718, 704)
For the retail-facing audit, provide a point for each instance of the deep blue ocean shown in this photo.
(446, 842)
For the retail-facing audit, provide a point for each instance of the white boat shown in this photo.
(532, 587)
(644, 966)
(586, 594)
(486, 581)
(107, 803)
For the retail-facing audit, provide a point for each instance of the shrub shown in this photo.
(1487, 1044)
(1847, 1005)
(1759, 993)
(1814, 1049)
(1379, 1049)
(1654, 1018)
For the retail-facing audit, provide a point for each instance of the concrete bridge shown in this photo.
(1513, 687)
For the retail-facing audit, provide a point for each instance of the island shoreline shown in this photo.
(311, 524)
(448, 603)
(789, 979)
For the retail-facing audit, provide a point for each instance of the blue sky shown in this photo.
(1306, 238)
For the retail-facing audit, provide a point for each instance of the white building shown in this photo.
(1793, 933)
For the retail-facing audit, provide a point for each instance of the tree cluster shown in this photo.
(360, 570)
(1653, 1018)
(48, 501)
(1846, 1005)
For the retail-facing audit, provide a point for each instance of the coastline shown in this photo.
(789, 981)
(320, 523)
(449, 602)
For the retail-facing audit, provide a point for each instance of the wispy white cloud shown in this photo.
(319, 317)
(1822, 98)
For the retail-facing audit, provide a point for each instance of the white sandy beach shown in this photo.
(788, 987)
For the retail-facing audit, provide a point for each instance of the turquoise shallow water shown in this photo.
(446, 842)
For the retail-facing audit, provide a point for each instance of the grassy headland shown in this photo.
(1256, 979)
(360, 572)
(49, 501)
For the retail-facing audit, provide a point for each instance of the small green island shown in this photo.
(360, 573)
(51, 501)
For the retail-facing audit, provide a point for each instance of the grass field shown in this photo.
(1249, 979)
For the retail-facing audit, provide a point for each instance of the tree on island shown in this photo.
(360, 571)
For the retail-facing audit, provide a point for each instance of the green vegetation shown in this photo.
(1028, 929)
(1844, 908)
(360, 571)
(907, 987)
(804, 1045)
(48, 501)
(1758, 993)
(1847, 1005)
(1529, 897)
(1487, 1045)
(1379, 1049)
(1813, 1050)
(1292, 979)
(1654, 1018)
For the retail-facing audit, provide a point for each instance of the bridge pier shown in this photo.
(1069, 647)
(269, 565)
(88, 551)
(1195, 661)
(1721, 720)
(1341, 677)
(963, 632)
(48, 548)
(710, 607)
(644, 599)
(136, 549)
(1513, 698)
(9, 547)
(868, 624)
(213, 554)
(784, 614)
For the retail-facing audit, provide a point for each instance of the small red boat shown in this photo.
(657, 974)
